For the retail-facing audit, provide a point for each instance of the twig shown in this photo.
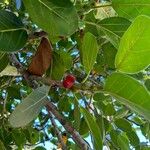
(58, 134)
(46, 81)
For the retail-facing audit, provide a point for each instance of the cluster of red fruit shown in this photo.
(69, 81)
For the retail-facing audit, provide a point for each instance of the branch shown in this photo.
(58, 134)
(75, 135)
(50, 106)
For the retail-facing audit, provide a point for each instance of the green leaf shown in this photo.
(84, 129)
(13, 35)
(131, 8)
(100, 123)
(109, 52)
(2, 145)
(123, 124)
(64, 104)
(39, 148)
(99, 66)
(123, 142)
(89, 51)
(113, 28)
(134, 50)
(32, 135)
(62, 61)
(114, 134)
(14, 92)
(99, 97)
(133, 138)
(121, 113)
(77, 114)
(96, 133)
(145, 128)
(77, 118)
(29, 107)
(57, 17)
(116, 25)
(90, 17)
(19, 138)
(129, 92)
(3, 61)
(147, 84)
(109, 110)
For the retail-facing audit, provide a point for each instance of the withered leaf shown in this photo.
(42, 59)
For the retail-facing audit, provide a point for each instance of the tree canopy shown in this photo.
(75, 74)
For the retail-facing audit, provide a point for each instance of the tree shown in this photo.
(74, 74)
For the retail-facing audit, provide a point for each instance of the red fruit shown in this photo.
(70, 78)
(69, 81)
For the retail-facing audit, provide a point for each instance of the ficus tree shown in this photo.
(74, 74)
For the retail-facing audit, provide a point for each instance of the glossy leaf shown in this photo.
(29, 107)
(129, 92)
(57, 17)
(134, 50)
(93, 128)
(131, 8)
(13, 35)
(89, 51)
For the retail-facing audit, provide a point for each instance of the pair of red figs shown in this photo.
(69, 81)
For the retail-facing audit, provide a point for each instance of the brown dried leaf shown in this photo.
(42, 59)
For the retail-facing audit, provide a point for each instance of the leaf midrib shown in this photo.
(11, 30)
(42, 3)
(101, 27)
(128, 4)
(127, 53)
(128, 103)
(34, 103)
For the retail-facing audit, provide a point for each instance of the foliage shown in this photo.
(88, 58)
